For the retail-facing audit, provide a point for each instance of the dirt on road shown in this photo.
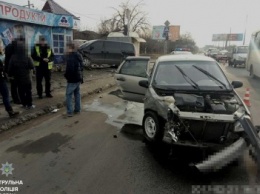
(95, 81)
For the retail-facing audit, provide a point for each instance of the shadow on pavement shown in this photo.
(176, 159)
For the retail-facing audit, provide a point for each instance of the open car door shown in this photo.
(128, 75)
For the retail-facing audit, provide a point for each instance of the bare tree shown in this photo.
(137, 19)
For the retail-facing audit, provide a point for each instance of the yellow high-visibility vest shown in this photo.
(37, 63)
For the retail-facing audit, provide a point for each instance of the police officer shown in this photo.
(43, 61)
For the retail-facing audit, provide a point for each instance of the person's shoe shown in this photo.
(49, 96)
(30, 107)
(67, 115)
(13, 114)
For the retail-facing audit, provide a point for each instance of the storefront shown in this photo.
(18, 21)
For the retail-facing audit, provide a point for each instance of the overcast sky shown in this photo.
(201, 18)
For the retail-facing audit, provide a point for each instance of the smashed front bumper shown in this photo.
(224, 157)
(227, 155)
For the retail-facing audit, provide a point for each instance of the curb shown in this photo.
(13, 122)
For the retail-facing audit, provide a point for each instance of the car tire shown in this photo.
(251, 72)
(87, 63)
(153, 127)
(235, 64)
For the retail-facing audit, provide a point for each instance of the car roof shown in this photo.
(181, 52)
(166, 58)
(138, 58)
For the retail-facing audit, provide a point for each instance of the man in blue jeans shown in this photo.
(74, 76)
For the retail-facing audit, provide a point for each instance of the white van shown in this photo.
(253, 59)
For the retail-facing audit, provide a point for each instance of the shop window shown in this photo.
(59, 43)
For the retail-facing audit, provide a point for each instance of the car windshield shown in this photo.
(242, 49)
(207, 75)
(86, 44)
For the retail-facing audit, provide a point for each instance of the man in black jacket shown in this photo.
(5, 93)
(20, 67)
(74, 76)
(43, 61)
(9, 51)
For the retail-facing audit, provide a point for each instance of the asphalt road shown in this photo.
(102, 151)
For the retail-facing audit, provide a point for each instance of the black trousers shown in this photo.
(14, 91)
(25, 93)
(5, 95)
(40, 74)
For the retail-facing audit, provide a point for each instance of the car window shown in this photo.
(96, 46)
(128, 48)
(134, 68)
(242, 49)
(167, 74)
(112, 47)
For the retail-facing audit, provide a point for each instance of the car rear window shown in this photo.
(134, 68)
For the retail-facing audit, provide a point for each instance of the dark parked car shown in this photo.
(106, 52)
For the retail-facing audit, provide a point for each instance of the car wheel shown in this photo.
(235, 64)
(153, 127)
(87, 63)
(251, 74)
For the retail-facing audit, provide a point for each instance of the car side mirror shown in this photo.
(237, 84)
(144, 83)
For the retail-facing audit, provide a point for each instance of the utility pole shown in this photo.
(166, 35)
(245, 31)
(227, 40)
(128, 12)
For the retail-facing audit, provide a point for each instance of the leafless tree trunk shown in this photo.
(137, 22)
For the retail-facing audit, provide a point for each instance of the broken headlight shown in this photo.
(238, 127)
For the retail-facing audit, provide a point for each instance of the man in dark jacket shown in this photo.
(43, 61)
(9, 51)
(74, 76)
(20, 67)
(4, 92)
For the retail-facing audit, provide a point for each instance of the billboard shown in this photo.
(228, 37)
(159, 32)
(174, 33)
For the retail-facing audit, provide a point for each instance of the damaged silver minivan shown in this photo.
(188, 101)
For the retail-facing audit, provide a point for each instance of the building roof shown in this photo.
(53, 7)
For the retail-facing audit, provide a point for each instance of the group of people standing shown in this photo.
(16, 66)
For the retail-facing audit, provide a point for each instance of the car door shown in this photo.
(96, 52)
(112, 51)
(128, 75)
